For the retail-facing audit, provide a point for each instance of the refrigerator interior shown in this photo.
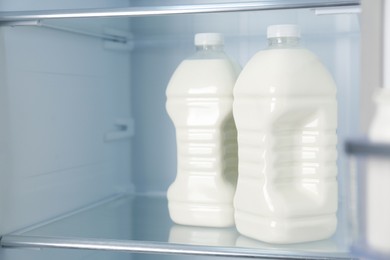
(87, 148)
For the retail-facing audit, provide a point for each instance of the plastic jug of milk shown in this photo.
(199, 102)
(377, 181)
(286, 116)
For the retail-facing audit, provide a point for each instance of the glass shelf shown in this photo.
(141, 224)
(17, 16)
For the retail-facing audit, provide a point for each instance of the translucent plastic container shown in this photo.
(199, 102)
(372, 213)
(285, 110)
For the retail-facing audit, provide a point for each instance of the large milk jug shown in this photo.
(199, 102)
(286, 115)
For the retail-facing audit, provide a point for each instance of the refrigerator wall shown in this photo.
(61, 93)
(83, 119)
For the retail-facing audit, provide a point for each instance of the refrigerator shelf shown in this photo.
(141, 224)
(364, 147)
(14, 16)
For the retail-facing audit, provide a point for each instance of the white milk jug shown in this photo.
(378, 180)
(199, 102)
(286, 116)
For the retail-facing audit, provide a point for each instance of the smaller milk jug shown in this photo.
(199, 102)
(285, 111)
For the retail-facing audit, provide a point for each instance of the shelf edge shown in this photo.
(19, 241)
(12, 16)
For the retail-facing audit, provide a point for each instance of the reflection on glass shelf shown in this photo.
(142, 224)
(203, 236)
(328, 246)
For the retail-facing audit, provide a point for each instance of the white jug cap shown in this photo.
(208, 39)
(283, 30)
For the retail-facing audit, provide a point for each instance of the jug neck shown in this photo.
(207, 52)
(283, 42)
(209, 47)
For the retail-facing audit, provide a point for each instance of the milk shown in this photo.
(199, 102)
(378, 181)
(286, 116)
